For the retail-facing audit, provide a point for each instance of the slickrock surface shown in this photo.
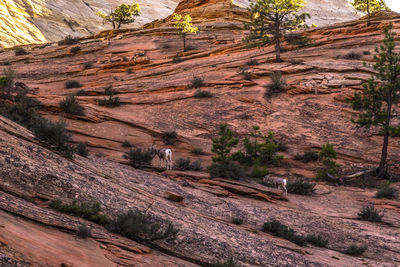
(39, 21)
(156, 97)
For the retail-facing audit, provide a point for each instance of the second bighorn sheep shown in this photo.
(278, 182)
(165, 155)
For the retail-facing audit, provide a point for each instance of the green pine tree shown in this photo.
(378, 102)
(124, 14)
(270, 19)
(223, 144)
(369, 6)
(184, 25)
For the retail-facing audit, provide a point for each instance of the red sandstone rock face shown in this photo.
(156, 97)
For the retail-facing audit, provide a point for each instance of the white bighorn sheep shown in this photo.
(278, 182)
(164, 154)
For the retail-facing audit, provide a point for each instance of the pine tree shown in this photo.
(369, 6)
(381, 94)
(184, 25)
(270, 19)
(124, 14)
(223, 144)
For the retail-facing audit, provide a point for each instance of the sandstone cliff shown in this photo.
(38, 21)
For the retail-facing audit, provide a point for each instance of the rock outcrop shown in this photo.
(40, 21)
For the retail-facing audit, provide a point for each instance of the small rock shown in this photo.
(173, 197)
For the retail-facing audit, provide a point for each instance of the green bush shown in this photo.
(237, 221)
(370, 213)
(356, 250)
(327, 151)
(139, 227)
(386, 191)
(82, 149)
(52, 133)
(75, 49)
(276, 228)
(197, 151)
(258, 171)
(126, 144)
(88, 65)
(353, 56)
(177, 60)
(140, 158)
(68, 40)
(71, 106)
(246, 75)
(252, 62)
(197, 82)
(277, 86)
(226, 169)
(23, 112)
(7, 82)
(366, 52)
(85, 210)
(301, 187)
(317, 240)
(308, 156)
(299, 40)
(72, 84)
(227, 263)
(19, 51)
(330, 168)
(169, 138)
(81, 93)
(186, 165)
(83, 231)
(110, 102)
(109, 91)
(203, 94)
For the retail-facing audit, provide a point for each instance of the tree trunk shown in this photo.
(382, 164)
(369, 14)
(277, 41)
(119, 25)
(184, 42)
(113, 23)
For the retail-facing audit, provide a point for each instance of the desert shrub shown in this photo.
(83, 231)
(276, 228)
(226, 169)
(197, 151)
(139, 226)
(196, 82)
(252, 62)
(296, 62)
(258, 171)
(23, 112)
(7, 82)
(177, 60)
(166, 46)
(227, 263)
(366, 52)
(110, 102)
(75, 49)
(317, 240)
(82, 150)
(299, 40)
(126, 144)
(88, 65)
(190, 47)
(139, 158)
(237, 221)
(169, 138)
(52, 133)
(186, 165)
(386, 191)
(202, 94)
(72, 84)
(68, 40)
(308, 156)
(301, 187)
(71, 106)
(276, 86)
(356, 250)
(81, 93)
(109, 91)
(352, 55)
(86, 210)
(129, 70)
(370, 213)
(19, 51)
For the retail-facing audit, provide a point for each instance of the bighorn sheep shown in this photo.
(164, 154)
(278, 182)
